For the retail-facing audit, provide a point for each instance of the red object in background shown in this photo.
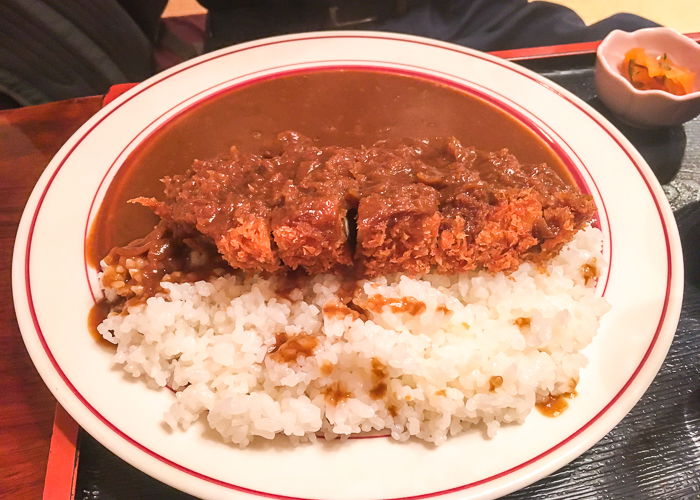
(569, 49)
(115, 91)
(62, 466)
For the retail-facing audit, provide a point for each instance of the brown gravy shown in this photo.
(288, 349)
(333, 107)
(410, 305)
(553, 406)
(589, 271)
(495, 382)
(98, 312)
(380, 375)
(338, 310)
(336, 393)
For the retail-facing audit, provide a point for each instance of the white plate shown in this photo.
(52, 295)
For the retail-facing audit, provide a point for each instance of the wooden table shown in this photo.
(29, 137)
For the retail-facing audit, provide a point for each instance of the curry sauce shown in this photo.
(332, 107)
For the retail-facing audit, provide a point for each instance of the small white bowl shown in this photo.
(647, 108)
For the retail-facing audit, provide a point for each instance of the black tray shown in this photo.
(654, 453)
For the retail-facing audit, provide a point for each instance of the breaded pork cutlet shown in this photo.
(398, 206)
(228, 200)
(397, 229)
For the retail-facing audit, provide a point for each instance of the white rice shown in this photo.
(209, 342)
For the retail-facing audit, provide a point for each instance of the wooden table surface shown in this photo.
(29, 137)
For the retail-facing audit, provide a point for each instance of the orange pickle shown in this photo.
(647, 72)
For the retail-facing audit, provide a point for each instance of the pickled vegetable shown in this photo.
(648, 72)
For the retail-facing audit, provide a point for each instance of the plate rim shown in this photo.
(667, 321)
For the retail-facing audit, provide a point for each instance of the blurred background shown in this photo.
(677, 14)
(59, 49)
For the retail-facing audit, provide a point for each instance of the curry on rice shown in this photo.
(348, 251)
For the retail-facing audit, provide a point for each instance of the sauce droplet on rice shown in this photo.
(408, 305)
(553, 406)
(379, 376)
(336, 393)
(589, 271)
(288, 349)
(495, 382)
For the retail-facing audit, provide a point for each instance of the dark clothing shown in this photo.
(57, 49)
(480, 24)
